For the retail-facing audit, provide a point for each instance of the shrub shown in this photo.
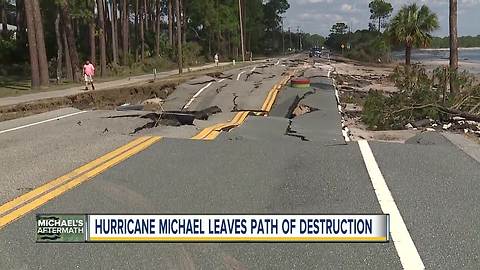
(420, 96)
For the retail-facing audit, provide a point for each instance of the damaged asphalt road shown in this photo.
(42, 147)
(278, 163)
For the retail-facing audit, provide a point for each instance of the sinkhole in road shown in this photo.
(297, 108)
(170, 118)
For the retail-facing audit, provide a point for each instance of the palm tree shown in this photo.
(412, 26)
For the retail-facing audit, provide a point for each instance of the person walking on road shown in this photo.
(88, 72)
(216, 59)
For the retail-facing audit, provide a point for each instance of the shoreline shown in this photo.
(447, 49)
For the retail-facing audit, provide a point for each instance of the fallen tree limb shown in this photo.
(443, 109)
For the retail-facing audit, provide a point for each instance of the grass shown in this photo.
(11, 86)
(16, 86)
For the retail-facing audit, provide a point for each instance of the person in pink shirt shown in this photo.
(88, 72)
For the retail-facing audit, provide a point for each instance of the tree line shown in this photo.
(57, 36)
(464, 42)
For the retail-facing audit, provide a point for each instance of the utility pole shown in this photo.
(290, 36)
(301, 42)
(298, 33)
(241, 29)
(300, 45)
(283, 39)
(179, 37)
(453, 47)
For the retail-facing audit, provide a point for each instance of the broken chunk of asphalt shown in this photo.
(199, 115)
(203, 82)
(219, 75)
(206, 113)
(302, 109)
(251, 73)
(163, 119)
(297, 109)
(176, 118)
(129, 107)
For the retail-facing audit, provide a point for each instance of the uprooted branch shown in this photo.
(422, 96)
(450, 111)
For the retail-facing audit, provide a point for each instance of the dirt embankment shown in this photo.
(99, 99)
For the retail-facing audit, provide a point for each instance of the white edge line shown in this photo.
(406, 249)
(345, 130)
(196, 95)
(240, 74)
(41, 122)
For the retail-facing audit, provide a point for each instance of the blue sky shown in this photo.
(317, 16)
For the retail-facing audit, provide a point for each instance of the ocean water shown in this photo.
(471, 55)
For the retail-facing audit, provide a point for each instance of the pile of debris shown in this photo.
(302, 109)
(455, 124)
(424, 100)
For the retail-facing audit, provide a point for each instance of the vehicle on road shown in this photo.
(315, 52)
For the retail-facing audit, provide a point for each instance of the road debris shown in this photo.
(202, 82)
(220, 75)
(153, 104)
(302, 109)
(173, 118)
(129, 107)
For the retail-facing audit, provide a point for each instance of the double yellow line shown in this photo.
(272, 95)
(210, 133)
(27, 202)
(30, 201)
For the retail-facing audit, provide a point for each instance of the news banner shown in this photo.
(212, 228)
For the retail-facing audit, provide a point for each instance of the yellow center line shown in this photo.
(212, 132)
(23, 210)
(30, 201)
(58, 181)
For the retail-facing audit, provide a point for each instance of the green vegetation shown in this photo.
(380, 10)
(464, 42)
(339, 37)
(411, 27)
(422, 96)
(133, 36)
(369, 46)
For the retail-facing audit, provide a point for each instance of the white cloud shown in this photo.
(318, 16)
(347, 8)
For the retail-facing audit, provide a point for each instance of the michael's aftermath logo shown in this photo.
(61, 228)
